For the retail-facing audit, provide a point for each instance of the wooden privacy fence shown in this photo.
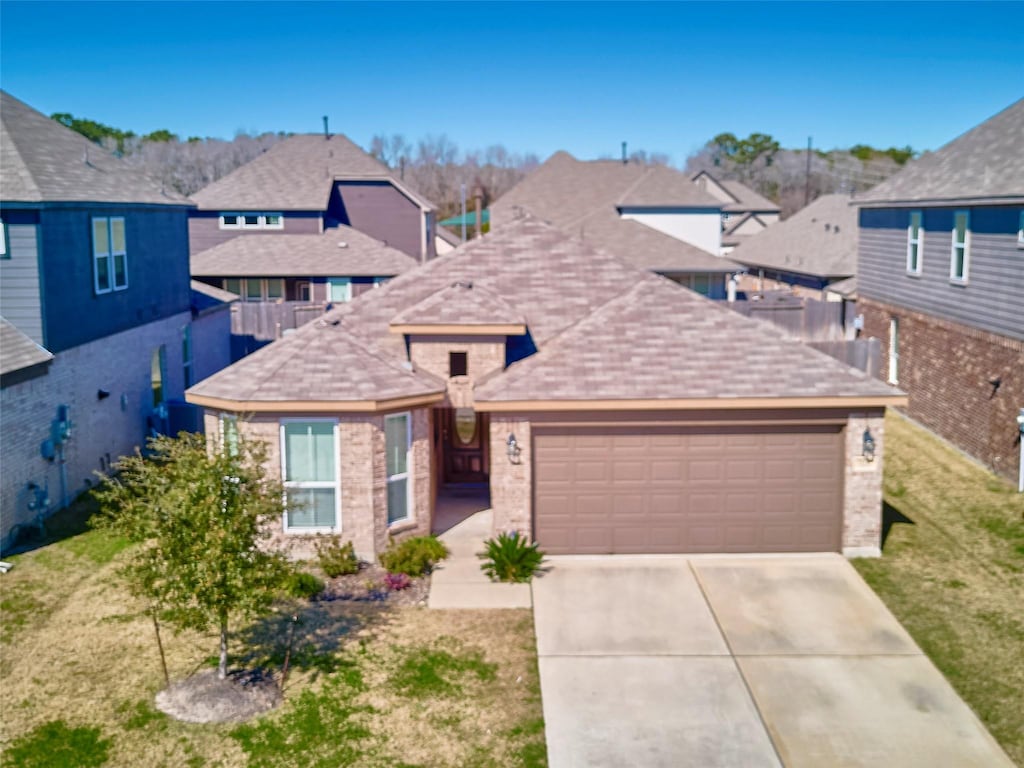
(266, 320)
(801, 318)
(863, 354)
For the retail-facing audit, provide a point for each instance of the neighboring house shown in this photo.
(806, 253)
(308, 184)
(745, 213)
(940, 281)
(605, 408)
(652, 215)
(210, 340)
(334, 266)
(446, 241)
(94, 272)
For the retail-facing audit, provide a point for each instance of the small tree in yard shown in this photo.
(198, 515)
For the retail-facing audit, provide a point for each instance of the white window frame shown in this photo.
(894, 350)
(261, 220)
(915, 242)
(1020, 231)
(336, 484)
(5, 248)
(965, 246)
(407, 475)
(109, 255)
(346, 281)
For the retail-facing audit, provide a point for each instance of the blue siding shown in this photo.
(158, 272)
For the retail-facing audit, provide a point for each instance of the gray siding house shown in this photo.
(940, 281)
(94, 288)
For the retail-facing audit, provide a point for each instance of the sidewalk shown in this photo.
(458, 581)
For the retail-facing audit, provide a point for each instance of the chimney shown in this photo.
(327, 134)
(624, 158)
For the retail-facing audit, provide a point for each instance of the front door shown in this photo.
(464, 434)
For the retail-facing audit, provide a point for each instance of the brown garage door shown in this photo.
(679, 490)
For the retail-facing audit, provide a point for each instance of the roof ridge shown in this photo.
(13, 143)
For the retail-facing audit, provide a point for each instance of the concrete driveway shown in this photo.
(738, 661)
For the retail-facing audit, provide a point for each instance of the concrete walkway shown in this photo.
(740, 662)
(458, 581)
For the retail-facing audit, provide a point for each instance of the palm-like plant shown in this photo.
(510, 558)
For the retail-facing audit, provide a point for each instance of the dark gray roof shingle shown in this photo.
(18, 351)
(42, 161)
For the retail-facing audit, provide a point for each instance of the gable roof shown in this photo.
(461, 304)
(735, 196)
(602, 327)
(318, 255)
(819, 240)
(619, 353)
(986, 164)
(43, 161)
(448, 236)
(297, 174)
(18, 351)
(582, 199)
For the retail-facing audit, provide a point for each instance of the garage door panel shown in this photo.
(688, 490)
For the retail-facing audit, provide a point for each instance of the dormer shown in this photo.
(460, 334)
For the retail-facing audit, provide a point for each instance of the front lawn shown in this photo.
(952, 572)
(370, 685)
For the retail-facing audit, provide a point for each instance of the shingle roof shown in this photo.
(207, 299)
(18, 351)
(984, 164)
(746, 199)
(461, 303)
(296, 174)
(604, 329)
(448, 236)
(660, 186)
(846, 288)
(582, 199)
(319, 255)
(819, 240)
(658, 342)
(42, 161)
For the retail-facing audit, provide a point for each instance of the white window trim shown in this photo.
(407, 475)
(919, 242)
(953, 277)
(894, 350)
(297, 531)
(332, 281)
(1020, 231)
(5, 248)
(109, 255)
(261, 222)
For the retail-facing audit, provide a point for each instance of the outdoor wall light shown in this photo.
(513, 449)
(868, 451)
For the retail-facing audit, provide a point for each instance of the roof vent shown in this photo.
(342, 244)
(836, 229)
(827, 226)
(462, 284)
(327, 134)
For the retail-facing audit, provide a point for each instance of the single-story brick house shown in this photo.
(607, 409)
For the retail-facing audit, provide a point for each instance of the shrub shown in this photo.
(337, 559)
(304, 585)
(415, 556)
(510, 557)
(395, 582)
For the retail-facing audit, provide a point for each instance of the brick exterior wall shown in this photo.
(485, 355)
(945, 367)
(104, 430)
(363, 478)
(511, 484)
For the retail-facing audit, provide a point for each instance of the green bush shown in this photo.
(304, 585)
(510, 557)
(415, 556)
(337, 559)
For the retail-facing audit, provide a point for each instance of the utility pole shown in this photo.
(807, 178)
(463, 191)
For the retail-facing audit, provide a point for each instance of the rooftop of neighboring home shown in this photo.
(819, 240)
(584, 198)
(984, 165)
(735, 196)
(206, 298)
(602, 328)
(43, 161)
(339, 252)
(18, 351)
(297, 174)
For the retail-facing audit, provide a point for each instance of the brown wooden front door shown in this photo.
(464, 435)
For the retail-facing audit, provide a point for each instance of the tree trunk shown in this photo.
(160, 645)
(222, 668)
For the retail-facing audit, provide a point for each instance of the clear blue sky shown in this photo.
(534, 77)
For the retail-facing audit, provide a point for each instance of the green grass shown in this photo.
(55, 745)
(952, 572)
(437, 672)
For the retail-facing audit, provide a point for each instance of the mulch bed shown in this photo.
(203, 698)
(367, 586)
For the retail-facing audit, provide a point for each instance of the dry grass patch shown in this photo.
(81, 669)
(953, 572)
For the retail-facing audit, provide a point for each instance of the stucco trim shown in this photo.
(877, 401)
(311, 406)
(497, 329)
